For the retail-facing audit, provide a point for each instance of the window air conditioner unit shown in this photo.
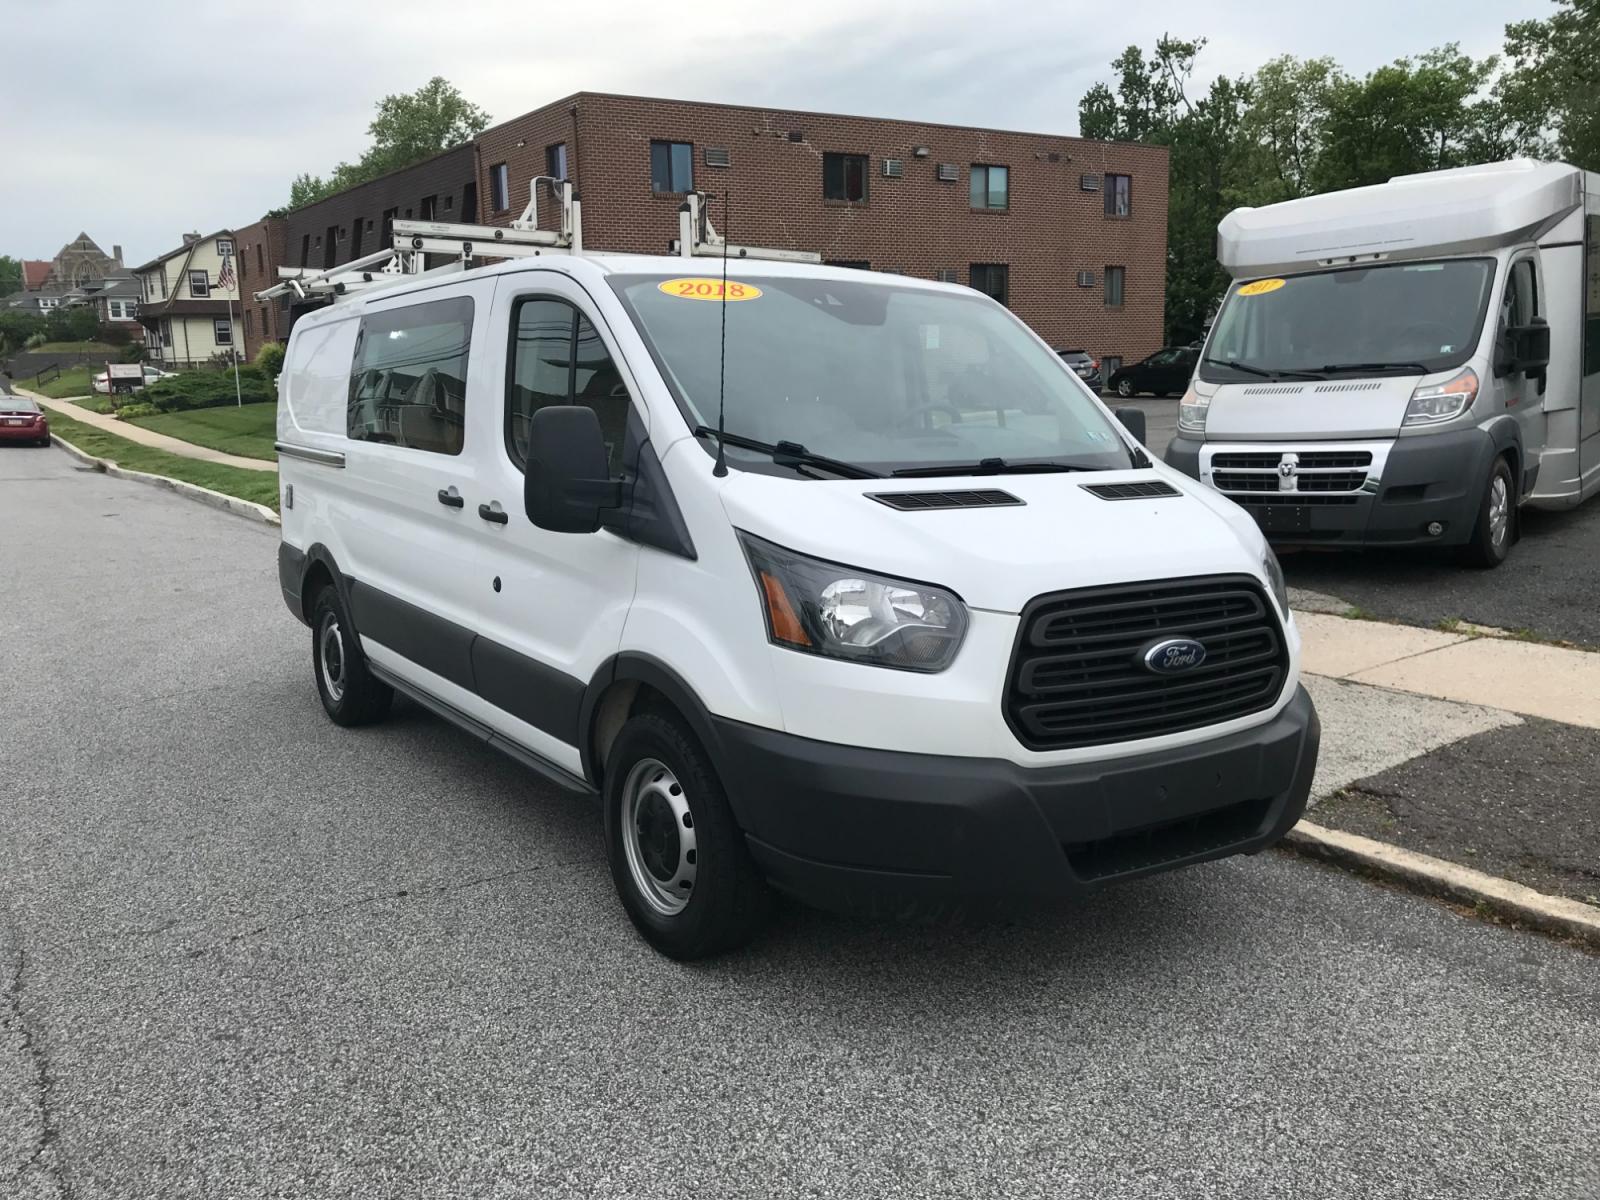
(718, 156)
(949, 173)
(893, 168)
(1086, 279)
(1089, 183)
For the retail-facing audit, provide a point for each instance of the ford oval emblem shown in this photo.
(1173, 655)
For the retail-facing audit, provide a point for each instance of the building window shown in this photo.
(990, 186)
(499, 187)
(261, 263)
(1119, 195)
(222, 330)
(247, 325)
(199, 284)
(225, 246)
(992, 279)
(671, 167)
(430, 205)
(408, 385)
(305, 249)
(386, 239)
(119, 310)
(1114, 281)
(449, 202)
(844, 177)
(355, 239)
(555, 160)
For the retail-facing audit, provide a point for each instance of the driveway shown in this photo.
(247, 953)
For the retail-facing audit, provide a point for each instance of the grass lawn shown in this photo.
(258, 486)
(80, 348)
(94, 402)
(248, 431)
(76, 382)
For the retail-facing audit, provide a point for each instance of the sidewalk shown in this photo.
(147, 437)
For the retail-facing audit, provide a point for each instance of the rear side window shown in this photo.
(557, 357)
(409, 383)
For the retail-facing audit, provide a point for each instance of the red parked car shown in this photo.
(22, 420)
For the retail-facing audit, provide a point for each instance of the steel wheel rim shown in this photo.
(1124, 388)
(658, 837)
(331, 658)
(1499, 510)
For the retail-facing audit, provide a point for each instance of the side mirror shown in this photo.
(1133, 421)
(567, 480)
(1524, 349)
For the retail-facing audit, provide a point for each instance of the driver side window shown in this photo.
(557, 357)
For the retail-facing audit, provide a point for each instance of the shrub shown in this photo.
(270, 359)
(37, 340)
(126, 412)
(113, 335)
(131, 353)
(208, 389)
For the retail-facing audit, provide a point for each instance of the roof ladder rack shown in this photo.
(698, 239)
(415, 240)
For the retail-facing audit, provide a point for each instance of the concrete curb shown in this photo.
(193, 491)
(1436, 877)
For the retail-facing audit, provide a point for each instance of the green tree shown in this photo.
(1281, 134)
(10, 275)
(408, 128)
(1549, 97)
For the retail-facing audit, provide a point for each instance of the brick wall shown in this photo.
(917, 224)
(259, 249)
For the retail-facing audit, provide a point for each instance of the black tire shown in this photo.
(726, 901)
(350, 693)
(1491, 539)
(1125, 388)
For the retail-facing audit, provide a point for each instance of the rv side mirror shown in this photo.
(1531, 345)
(567, 480)
(1133, 421)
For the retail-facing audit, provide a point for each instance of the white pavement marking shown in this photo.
(1366, 730)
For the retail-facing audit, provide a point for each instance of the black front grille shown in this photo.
(1257, 499)
(1078, 676)
(1323, 481)
(970, 498)
(1144, 489)
(1308, 458)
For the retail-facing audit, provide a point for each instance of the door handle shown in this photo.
(496, 515)
(450, 498)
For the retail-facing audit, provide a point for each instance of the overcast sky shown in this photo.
(137, 123)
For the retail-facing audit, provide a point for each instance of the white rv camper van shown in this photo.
(1406, 364)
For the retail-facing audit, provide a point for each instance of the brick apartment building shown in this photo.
(1070, 233)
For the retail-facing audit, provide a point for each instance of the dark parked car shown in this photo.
(1085, 365)
(22, 420)
(1165, 373)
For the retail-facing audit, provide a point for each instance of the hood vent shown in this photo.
(918, 501)
(1369, 386)
(1274, 389)
(1144, 490)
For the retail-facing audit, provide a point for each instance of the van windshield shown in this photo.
(869, 373)
(1417, 317)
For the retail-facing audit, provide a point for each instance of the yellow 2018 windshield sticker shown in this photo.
(1261, 287)
(709, 289)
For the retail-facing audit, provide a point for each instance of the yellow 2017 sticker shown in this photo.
(1261, 287)
(709, 289)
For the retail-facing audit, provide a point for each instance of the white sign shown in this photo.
(125, 371)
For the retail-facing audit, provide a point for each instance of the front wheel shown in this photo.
(1125, 388)
(1497, 514)
(678, 857)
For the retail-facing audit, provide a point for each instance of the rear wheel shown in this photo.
(1497, 515)
(349, 691)
(1124, 388)
(678, 857)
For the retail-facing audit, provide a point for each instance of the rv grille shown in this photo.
(920, 501)
(1077, 677)
(1313, 471)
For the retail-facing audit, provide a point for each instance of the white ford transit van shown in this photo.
(1406, 364)
(926, 624)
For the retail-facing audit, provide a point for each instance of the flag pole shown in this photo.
(233, 335)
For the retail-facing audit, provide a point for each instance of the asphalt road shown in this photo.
(1550, 586)
(247, 953)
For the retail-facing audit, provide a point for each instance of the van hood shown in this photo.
(1335, 408)
(999, 557)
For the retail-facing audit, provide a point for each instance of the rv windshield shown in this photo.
(869, 373)
(1417, 317)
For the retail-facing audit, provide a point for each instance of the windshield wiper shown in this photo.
(1264, 372)
(995, 466)
(790, 454)
(1408, 367)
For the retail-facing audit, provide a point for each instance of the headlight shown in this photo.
(1273, 570)
(1192, 411)
(1443, 401)
(819, 607)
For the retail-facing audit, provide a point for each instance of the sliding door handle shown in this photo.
(450, 498)
(496, 515)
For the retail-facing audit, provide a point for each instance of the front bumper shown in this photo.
(1438, 478)
(849, 828)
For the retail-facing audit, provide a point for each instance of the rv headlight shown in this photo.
(819, 607)
(1192, 411)
(1443, 401)
(1273, 570)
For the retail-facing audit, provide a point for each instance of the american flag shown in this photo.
(225, 279)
